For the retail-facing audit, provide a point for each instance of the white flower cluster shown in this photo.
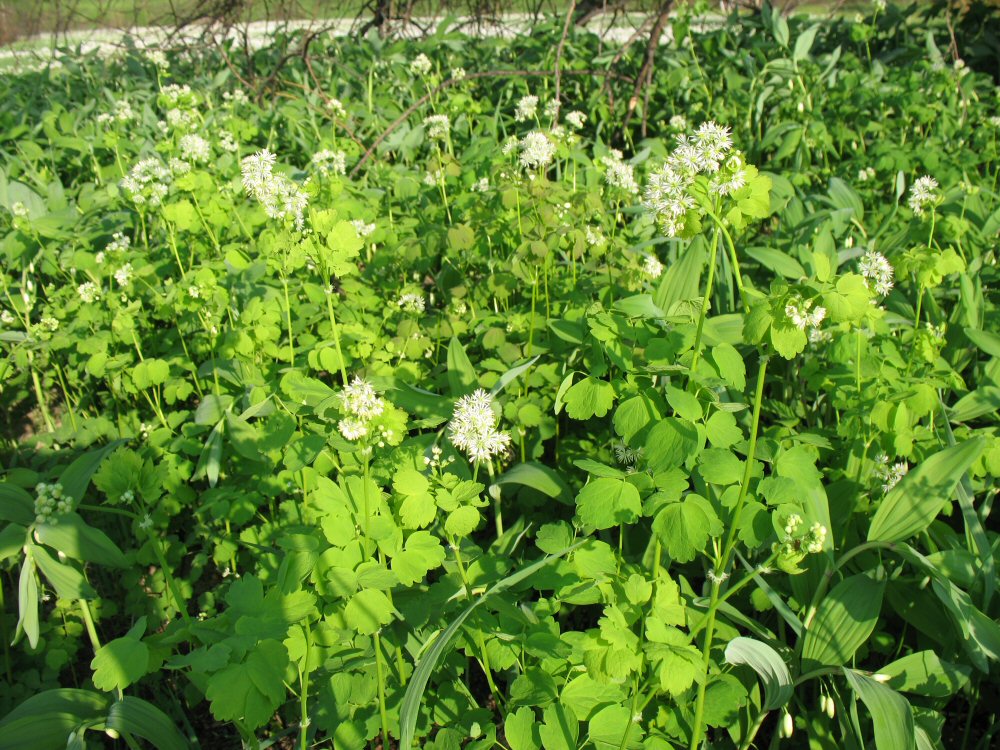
(122, 113)
(18, 210)
(594, 236)
(88, 291)
(481, 185)
(526, 109)
(48, 323)
(803, 315)
(227, 142)
(473, 427)
(576, 119)
(652, 267)
(124, 275)
(411, 302)
(868, 173)
(458, 74)
(618, 174)
(995, 121)
(537, 150)
(420, 65)
(195, 148)
(361, 403)
(49, 501)
(552, 108)
(923, 192)
(119, 243)
(280, 197)
(329, 162)
(890, 475)
(158, 58)
(679, 122)
(175, 94)
(668, 194)
(237, 96)
(147, 182)
(363, 229)
(877, 272)
(437, 127)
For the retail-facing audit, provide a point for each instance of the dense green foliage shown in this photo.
(733, 453)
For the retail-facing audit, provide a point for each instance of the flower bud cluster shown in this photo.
(49, 502)
(361, 404)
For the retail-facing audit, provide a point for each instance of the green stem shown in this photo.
(88, 621)
(720, 570)
(171, 584)
(705, 302)
(288, 318)
(336, 336)
(380, 671)
(304, 680)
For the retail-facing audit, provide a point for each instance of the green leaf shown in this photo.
(584, 696)
(27, 603)
(413, 697)
(135, 716)
(461, 374)
(121, 662)
(722, 430)
(250, 692)
(910, 506)
(16, 504)
(76, 477)
(720, 466)
(724, 697)
(605, 502)
(69, 582)
(521, 730)
(612, 728)
(670, 443)
(768, 665)
(844, 620)
(683, 528)
(788, 340)
(422, 552)
(368, 611)
(71, 535)
(730, 365)
(149, 373)
(45, 720)
(560, 730)
(537, 476)
(890, 712)
(462, 521)
(924, 673)
(684, 404)
(588, 398)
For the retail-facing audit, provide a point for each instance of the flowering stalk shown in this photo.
(705, 302)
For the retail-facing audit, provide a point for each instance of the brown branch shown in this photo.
(646, 72)
(562, 43)
(470, 76)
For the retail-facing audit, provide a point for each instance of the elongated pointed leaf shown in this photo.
(911, 505)
(410, 708)
(45, 721)
(768, 664)
(844, 620)
(890, 712)
(461, 374)
(136, 716)
(76, 477)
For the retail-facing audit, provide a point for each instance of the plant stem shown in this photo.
(336, 336)
(705, 302)
(720, 570)
(88, 621)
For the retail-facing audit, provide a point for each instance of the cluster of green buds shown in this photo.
(797, 544)
(50, 502)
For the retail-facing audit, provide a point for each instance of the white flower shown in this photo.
(866, 174)
(174, 94)
(458, 73)
(995, 121)
(420, 65)
(527, 107)
(473, 427)
(280, 197)
(890, 475)
(537, 150)
(18, 209)
(329, 162)
(679, 122)
(88, 291)
(481, 185)
(801, 317)
(923, 192)
(363, 229)
(124, 275)
(194, 291)
(147, 182)
(412, 302)
(816, 539)
(352, 428)
(619, 174)
(178, 166)
(238, 96)
(792, 524)
(227, 142)
(551, 109)
(877, 272)
(437, 126)
(157, 58)
(361, 404)
(594, 236)
(652, 267)
(195, 148)
(49, 323)
(576, 119)
(119, 242)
